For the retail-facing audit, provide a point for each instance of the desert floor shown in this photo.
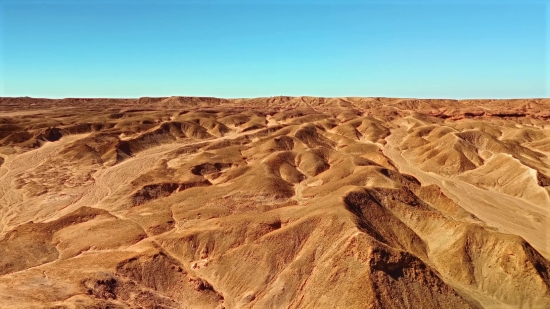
(281, 202)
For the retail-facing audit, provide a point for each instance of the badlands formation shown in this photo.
(282, 202)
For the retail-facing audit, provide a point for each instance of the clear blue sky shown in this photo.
(438, 49)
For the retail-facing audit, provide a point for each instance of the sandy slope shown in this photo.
(282, 202)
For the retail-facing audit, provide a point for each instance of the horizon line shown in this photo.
(266, 97)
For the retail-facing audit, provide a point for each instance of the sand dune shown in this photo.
(281, 202)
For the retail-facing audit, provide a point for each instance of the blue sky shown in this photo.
(425, 49)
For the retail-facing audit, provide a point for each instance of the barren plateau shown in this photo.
(281, 202)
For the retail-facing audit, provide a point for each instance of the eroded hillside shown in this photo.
(283, 202)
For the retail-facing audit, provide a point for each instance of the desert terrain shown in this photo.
(280, 202)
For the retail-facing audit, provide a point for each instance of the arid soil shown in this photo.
(282, 202)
